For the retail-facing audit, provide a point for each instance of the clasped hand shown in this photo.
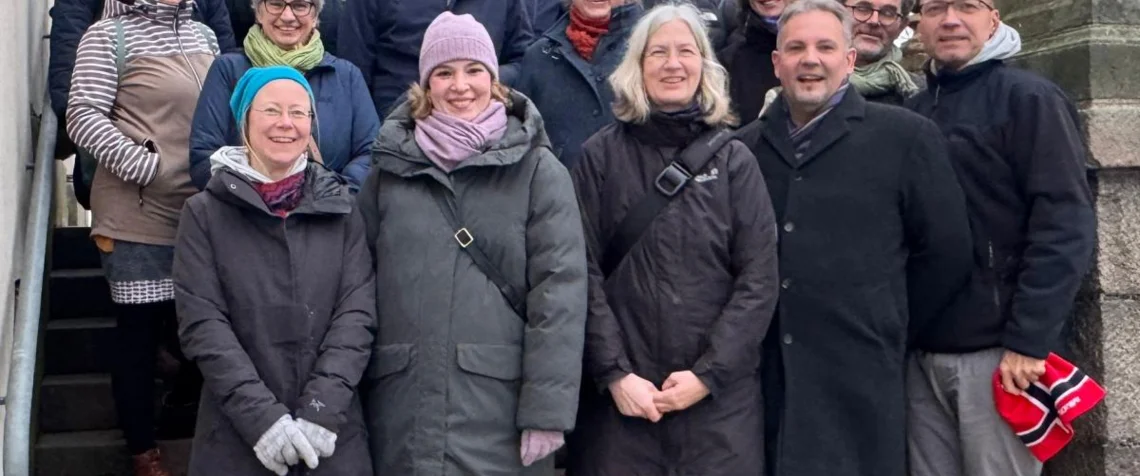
(637, 397)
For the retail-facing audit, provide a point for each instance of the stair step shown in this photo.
(82, 402)
(79, 346)
(72, 248)
(99, 453)
(79, 293)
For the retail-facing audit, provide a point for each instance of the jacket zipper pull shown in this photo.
(937, 93)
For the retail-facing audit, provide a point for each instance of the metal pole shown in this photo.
(21, 378)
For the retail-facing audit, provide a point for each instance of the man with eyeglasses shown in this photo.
(878, 75)
(1015, 145)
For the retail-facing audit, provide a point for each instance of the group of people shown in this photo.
(713, 239)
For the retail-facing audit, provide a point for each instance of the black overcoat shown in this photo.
(871, 219)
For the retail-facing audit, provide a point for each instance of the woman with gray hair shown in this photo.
(682, 266)
(286, 34)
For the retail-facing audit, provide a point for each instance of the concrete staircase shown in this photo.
(77, 429)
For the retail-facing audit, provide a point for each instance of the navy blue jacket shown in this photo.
(345, 123)
(70, 20)
(573, 94)
(1015, 143)
(383, 38)
(242, 18)
(544, 14)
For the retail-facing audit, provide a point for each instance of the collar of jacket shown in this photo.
(163, 13)
(325, 192)
(773, 126)
(951, 81)
(663, 130)
(622, 20)
(395, 149)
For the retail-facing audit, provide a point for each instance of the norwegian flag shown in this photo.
(1043, 417)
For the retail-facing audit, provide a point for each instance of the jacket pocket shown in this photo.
(502, 362)
(389, 359)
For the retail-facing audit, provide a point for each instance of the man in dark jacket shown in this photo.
(871, 245)
(1017, 149)
(383, 37)
(69, 20)
(878, 75)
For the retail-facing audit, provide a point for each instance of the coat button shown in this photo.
(799, 178)
(233, 187)
(788, 339)
(786, 283)
(597, 113)
(789, 227)
(599, 78)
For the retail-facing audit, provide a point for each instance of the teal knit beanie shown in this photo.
(256, 78)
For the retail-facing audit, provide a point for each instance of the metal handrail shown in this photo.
(22, 373)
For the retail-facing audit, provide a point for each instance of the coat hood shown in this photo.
(325, 192)
(395, 149)
(151, 9)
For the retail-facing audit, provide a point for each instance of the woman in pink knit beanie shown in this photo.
(480, 269)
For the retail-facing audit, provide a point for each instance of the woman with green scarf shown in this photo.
(286, 34)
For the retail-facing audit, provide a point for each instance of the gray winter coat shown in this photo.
(456, 374)
(279, 316)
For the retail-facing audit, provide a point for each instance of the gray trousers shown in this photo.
(953, 428)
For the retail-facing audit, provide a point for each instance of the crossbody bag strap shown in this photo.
(668, 184)
(469, 243)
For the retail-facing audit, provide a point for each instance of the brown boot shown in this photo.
(149, 464)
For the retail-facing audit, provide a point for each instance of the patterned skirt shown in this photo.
(139, 273)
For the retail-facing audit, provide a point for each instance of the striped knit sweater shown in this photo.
(149, 28)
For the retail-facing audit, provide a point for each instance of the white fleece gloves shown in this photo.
(290, 441)
(538, 444)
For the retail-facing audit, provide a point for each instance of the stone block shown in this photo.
(1121, 358)
(1110, 128)
(1044, 17)
(1118, 257)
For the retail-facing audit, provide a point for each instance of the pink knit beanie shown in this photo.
(453, 37)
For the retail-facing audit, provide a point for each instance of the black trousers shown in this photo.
(142, 330)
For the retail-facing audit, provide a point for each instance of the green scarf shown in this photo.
(263, 52)
(884, 76)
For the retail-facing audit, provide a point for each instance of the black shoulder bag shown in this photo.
(467, 242)
(668, 184)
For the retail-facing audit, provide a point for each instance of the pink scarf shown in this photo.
(449, 140)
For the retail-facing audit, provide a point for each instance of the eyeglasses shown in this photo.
(294, 114)
(963, 7)
(864, 11)
(277, 7)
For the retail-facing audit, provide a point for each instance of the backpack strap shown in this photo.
(668, 184)
(208, 34)
(120, 47)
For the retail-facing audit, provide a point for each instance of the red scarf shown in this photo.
(584, 33)
(282, 196)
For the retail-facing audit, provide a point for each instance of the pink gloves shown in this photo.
(538, 444)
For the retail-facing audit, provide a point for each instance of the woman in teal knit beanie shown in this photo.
(275, 296)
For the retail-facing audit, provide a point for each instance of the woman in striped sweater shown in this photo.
(138, 74)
